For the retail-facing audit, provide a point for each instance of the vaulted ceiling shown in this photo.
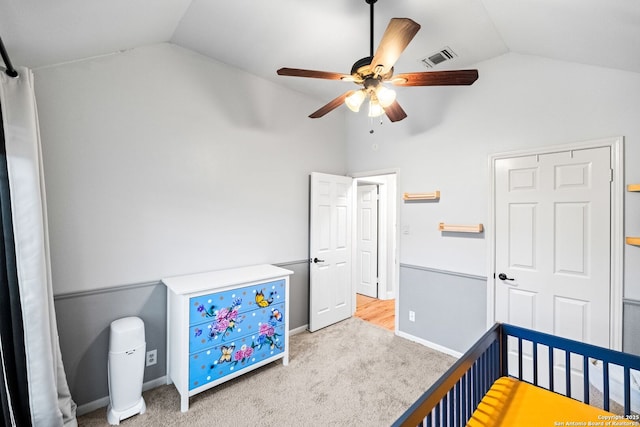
(260, 36)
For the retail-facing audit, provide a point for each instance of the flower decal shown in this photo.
(267, 335)
(243, 354)
(204, 311)
(226, 319)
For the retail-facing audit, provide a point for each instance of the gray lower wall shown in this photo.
(84, 319)
(450, 311)
(450, 308)
(630, 325)
(83, 327)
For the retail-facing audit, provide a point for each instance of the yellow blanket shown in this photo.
(511, 403)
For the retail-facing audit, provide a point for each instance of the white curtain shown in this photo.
(50, 401)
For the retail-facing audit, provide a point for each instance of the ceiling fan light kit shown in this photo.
(379, 97)
(376, 70)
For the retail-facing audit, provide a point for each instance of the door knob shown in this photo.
(503, 276)
(316, 260)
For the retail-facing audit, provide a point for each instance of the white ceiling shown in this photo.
(261, 36)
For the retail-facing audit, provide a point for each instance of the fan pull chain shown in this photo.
(371, 123)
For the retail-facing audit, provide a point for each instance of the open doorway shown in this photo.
(375, 269)
(379, 312)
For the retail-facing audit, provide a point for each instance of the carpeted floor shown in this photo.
(349, 374)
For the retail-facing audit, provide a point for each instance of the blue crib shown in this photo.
(452, 400)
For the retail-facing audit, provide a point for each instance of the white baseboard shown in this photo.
(103, 402)
(298, 330)
(92, 406)
(431, 345)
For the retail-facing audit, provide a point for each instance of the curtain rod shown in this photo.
(11, 72)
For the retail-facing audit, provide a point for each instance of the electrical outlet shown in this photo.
(412, 316)
(152, 357)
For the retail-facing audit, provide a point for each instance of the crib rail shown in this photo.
(453, 398)
(587, 353)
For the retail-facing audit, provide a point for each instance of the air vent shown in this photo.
(432, 60)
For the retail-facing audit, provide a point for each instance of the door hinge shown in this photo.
(610, 175)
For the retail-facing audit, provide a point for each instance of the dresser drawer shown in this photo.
(223, 359)
(207, 308)
(229, 326)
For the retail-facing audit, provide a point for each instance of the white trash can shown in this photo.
(126, 369)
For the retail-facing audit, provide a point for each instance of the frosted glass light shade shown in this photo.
(385, 96)
(355, 100)
(375, 109)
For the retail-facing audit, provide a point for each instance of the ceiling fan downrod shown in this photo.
(371, 3)
(366, 61)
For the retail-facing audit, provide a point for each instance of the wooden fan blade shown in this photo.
(298, 72)
(330, 106)
(395, 39)
(435, 78)
(395, 112)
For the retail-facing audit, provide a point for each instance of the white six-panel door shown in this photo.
(367, 241)
(330, 295)
(552, 231)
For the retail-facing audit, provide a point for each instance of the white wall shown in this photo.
(159, 161)
(518, 102)
(155, 165)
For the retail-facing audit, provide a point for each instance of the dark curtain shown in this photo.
(14, 394)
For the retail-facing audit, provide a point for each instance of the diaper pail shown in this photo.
(126, 369)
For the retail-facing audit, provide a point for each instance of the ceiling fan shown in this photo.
(375, 70)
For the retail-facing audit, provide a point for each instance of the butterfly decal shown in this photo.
(262, 301)
(226, 353)
(276, 314)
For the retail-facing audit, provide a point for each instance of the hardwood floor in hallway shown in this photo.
(378, 312)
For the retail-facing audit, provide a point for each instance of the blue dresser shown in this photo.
(224, 323)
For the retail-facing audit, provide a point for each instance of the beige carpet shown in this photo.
(349, 374)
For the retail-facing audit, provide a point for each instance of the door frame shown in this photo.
(388, 251)
(616, 260)
(356, 229)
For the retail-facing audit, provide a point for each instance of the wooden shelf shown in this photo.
(421, 196)
(633, 241)
(473, 228)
